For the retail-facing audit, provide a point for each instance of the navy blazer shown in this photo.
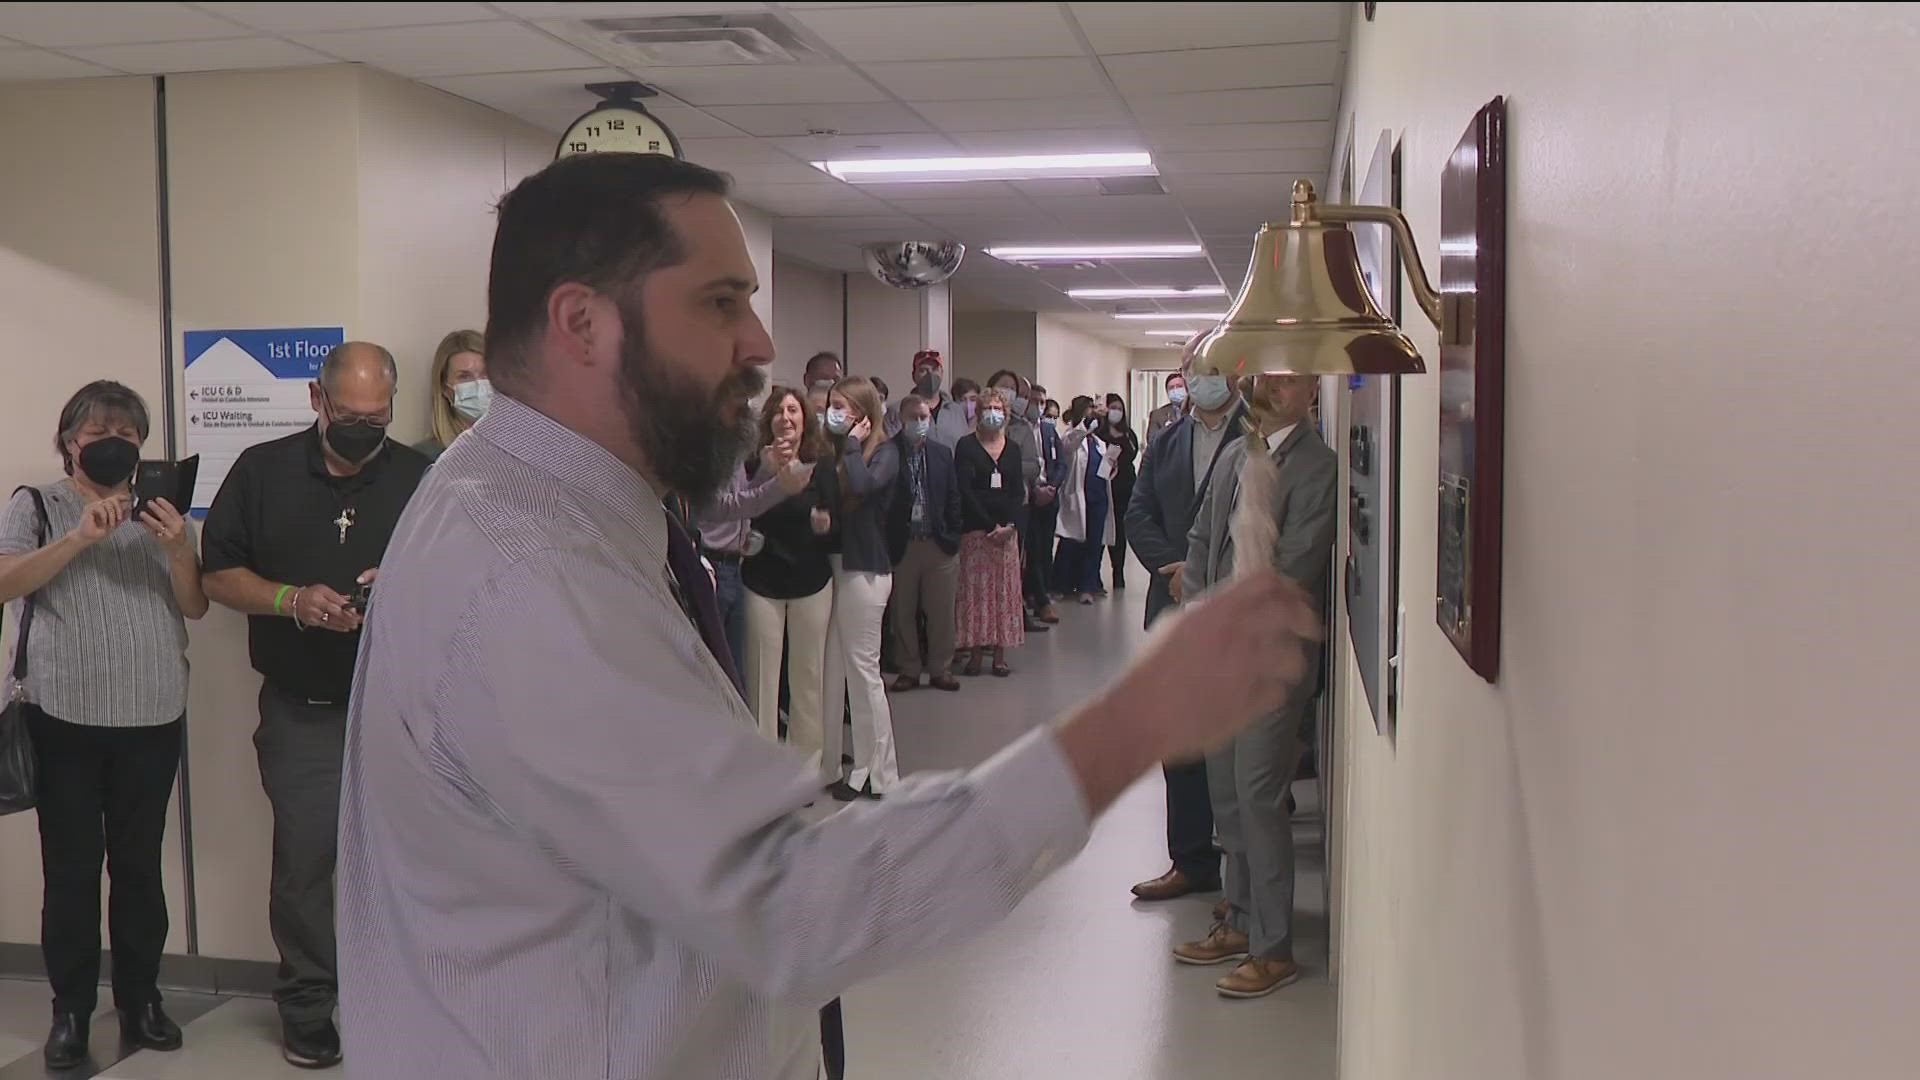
(1053, 457)
(1165, 502)
(943, 500)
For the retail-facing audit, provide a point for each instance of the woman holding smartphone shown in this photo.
(862, 582)
(106, 693)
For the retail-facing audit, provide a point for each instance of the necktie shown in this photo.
(697, 600)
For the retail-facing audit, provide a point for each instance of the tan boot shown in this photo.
(1222, 944)
(1256, 977)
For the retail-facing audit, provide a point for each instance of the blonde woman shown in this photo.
(461, 390)
(862, 583)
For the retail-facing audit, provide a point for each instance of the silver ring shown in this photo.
(326, 616)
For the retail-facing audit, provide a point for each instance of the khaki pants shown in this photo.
(926, 579)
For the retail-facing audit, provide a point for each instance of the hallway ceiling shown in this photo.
(1234, 101)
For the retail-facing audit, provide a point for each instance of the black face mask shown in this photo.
(355, 443)
(108, 462)
(928, 383)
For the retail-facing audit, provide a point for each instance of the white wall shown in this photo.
(988, 341)
(886, 326)
(1069, 362)
(1676, 839)
(79, 300)
(431, 168)
(807, 319)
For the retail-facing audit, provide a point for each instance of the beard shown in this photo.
(689, 441)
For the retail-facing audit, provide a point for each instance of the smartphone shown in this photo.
(169, 480)
(362, 596)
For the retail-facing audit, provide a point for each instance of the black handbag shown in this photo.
(19, 779)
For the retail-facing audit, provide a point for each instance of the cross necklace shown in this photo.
(344, 522)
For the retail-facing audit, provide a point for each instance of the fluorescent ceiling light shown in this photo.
(1165, 315)
(1160, 292)
(1176, 333)
(1017, 167)
(1092, 253)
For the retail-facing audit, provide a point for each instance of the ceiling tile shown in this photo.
(829, 225)
(72, 25)
(1230, 191)
(861, 147)
(284, 18)
(966, 191)
(852, 119)
(1299, 135)
(1024, 114)
(1050, 140)
(232, 54)
(620, 11)
(986, 80)
(731, 153)
(1076, 187)
(960, 32)
(809, 200)
(1230, 106)
(1224, 69)
(550, 99)
(1244, 161)
(977, 207)
(687, 122)
(460, 49)
(789, 172)
(748, 84)
(1128, 28)
(28, 64)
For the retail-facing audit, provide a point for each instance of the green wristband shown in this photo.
(279, 597)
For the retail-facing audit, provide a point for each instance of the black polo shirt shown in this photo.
(278, 515)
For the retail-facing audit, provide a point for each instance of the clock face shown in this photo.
(617, 128)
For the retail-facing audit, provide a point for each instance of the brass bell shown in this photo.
(1305, 309)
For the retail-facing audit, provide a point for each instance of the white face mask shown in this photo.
(839, 421)
(1177, 396)
(1209, 392)
(471, 398)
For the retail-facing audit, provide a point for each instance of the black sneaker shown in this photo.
(310, 1046)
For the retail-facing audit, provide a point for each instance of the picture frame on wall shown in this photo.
(1371, 543)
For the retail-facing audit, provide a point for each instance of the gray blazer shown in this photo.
(1165, 501)
(1309, 510)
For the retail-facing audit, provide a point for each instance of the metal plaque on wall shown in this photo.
(1473, 242)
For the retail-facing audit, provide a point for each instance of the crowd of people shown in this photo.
(802, 548)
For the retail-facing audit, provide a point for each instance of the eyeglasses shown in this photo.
(353, 420)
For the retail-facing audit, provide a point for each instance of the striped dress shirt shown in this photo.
(565, 852)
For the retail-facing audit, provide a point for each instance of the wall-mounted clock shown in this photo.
(617, 125)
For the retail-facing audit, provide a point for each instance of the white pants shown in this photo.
(802, 625)
(853, 656)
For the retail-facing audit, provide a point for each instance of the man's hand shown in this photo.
(794, 477)
(99, 519)
(1172, 573)
(1043, 495)
(318, 607)
(1243, 646)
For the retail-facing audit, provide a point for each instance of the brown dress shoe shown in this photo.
(1222, 944)
(1172, 885)
(905, 683)
(944, 682)
(1049, 615)
(1256, 977)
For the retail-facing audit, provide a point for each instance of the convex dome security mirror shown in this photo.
(914, 264)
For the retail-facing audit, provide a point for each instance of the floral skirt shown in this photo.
(989, 613)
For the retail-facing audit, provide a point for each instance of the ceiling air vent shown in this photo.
(688, 40)
(1131, 185)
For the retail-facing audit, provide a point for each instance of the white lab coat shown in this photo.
(1081, 447)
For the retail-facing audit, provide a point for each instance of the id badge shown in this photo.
(995, 483)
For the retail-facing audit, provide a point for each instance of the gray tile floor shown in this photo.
(1078, 984)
